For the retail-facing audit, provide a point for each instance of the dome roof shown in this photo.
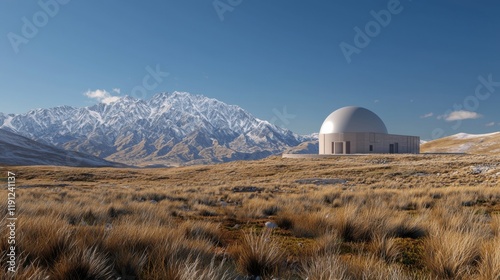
(353, 119)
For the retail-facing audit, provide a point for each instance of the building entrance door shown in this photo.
(338, 148)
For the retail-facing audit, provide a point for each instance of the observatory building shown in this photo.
(356, 130)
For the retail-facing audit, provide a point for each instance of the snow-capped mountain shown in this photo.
(19, 150)
(170, 128)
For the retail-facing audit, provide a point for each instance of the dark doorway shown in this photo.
(348, 147)
(339, 148)
(391, 148)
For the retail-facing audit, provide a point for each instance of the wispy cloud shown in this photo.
(116, 90)
(460, 115)
(102, 95)
(428, 115)
(490, 124)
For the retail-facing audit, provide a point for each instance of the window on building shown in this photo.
(371, 148)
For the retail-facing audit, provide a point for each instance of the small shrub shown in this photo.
(371, 268)
(270, 210)
(86, 264)
(310, 226)
(204, 231)
(495, 225)
(489, 267)
(115, 213)
(259, 255)
(452, 254)
(407, 205)
(207, 213)
(325, 267)
(207, 201)
(196, 270)
(405, 228)
(385, 248)
(327, 244)
(56, 240)
(284, 223)
(331, 197)
(89, 218)
(352, 228)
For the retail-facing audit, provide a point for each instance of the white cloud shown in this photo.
(101, 95)
(460, 115)
(116, 90)
(490, 124)
(428, 115)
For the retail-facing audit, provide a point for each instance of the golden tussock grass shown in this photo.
(258, 254)
(363, 217)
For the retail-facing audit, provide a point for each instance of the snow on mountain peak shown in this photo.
(166, 127)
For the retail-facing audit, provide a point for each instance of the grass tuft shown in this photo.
(83, 264)
(259, 254)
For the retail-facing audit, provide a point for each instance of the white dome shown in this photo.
(353, 119)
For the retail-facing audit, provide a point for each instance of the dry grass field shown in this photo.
(350, 217)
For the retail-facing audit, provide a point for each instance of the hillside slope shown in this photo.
(19, 150)
(465, 143)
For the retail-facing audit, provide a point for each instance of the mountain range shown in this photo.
(19, 150)
(168, 129)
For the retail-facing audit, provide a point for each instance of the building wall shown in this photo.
(360, 142)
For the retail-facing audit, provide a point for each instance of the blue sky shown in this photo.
(281, 60)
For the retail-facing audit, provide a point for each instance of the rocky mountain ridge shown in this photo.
(169, 129)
